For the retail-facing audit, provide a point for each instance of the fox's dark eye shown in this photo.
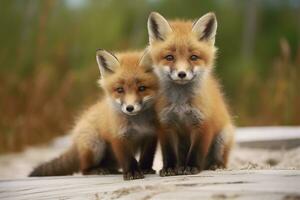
(169, 57)
(142, 88)
(194, 57)
(120, 90)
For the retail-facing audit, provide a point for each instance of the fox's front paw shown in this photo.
(133, 174)
(148, 171)
(179, 170)
(167, 172)
(191, 170)
(216, 166)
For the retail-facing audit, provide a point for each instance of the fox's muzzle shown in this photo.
(131, 109)
(131, 105)
(181, 75)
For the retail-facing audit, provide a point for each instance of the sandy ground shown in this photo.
(20, 164)
(210, 185)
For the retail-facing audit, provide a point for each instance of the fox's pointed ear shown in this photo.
(146, 61)
(107, 62)
(158, 27)
(206, 27)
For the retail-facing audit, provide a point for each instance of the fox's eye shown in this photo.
(120, 90)
(142, 88)
(194, 57)
(169, 57)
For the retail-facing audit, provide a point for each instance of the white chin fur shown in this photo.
(181, 82)
(130, 113)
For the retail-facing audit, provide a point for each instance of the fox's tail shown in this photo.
(66, 164)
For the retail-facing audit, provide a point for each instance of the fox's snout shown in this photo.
(131, 109)
(180, 76)
(134, 105)
(130, 104)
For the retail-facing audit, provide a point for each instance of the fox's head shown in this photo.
(128, 80)
(182, 51)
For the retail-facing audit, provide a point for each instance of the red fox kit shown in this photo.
(110, 133)
(196, 128)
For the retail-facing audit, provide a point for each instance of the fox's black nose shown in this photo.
(129, 108)
(181, 75)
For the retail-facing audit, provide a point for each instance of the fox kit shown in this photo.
(196, 128)
(110, 133)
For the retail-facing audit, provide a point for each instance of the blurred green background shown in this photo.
(48, 70)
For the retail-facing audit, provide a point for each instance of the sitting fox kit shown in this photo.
(196, 130)
(123, 122)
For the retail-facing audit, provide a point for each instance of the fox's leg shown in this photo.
(167, 144)
(220, 149)
(215, 157)
(200, 142)
(125, 157)
(108, 164)
(148, 150)
(91, 151)
(109, 161)
(183, 146)
(229, 139)
(86, 160)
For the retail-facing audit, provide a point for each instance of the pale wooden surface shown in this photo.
(242, 184)
(269, 137)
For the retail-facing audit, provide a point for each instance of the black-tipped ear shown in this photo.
(158, 27)
(146, 61)
(107, 62)
(206, 27)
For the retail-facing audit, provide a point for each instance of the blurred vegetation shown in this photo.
(48, 71)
